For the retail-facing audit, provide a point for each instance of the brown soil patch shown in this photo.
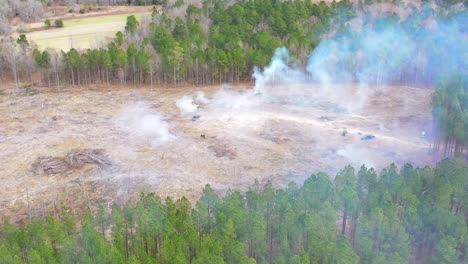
(223, 150)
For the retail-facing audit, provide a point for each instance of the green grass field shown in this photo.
(81, 33)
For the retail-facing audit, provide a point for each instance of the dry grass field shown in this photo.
(283, 135)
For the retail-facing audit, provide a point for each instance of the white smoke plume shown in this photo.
(228, 98)
(186, 105)
(277, 72)
(190, 104)
(359, 155)
(200, 98)
(142, 123)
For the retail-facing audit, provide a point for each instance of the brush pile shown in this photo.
(50, 165)
(78, 158)
(75, 159)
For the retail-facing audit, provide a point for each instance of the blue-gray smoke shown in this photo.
(385, 50)
(390, 51)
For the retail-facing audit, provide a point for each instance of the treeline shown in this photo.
(450, 115)
(211, 44)
(411, 215)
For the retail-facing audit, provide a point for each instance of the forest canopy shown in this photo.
(398, 215)
(450, 113)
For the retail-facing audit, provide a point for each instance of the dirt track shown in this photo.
(283, 135)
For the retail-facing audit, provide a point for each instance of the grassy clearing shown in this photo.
(92, 20)
(82, 41)
(81, 33)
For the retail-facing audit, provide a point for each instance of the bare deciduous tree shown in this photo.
(10, 55)
(5, 28)
(55, 63)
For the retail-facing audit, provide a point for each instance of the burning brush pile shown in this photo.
(75, 159)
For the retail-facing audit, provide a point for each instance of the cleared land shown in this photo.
(282, 135)
(81, 33)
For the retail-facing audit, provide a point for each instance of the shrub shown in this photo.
(22, 40)
(58, 23)
(47, 23)
(179, 3)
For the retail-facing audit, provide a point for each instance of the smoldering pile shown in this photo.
(75, 159)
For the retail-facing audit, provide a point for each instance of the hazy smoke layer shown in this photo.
(227, 98)
(142, 123)
(384, 51)
(358, 154)
(392, 51)
(200, 98)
